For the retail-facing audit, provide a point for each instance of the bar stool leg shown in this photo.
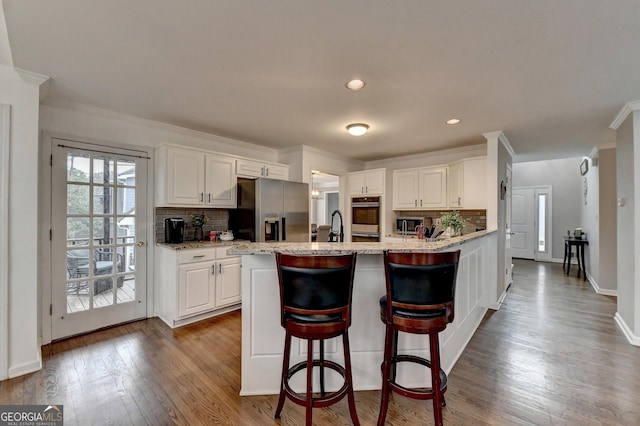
(347, 365)
(309, 406)
(434, 346)
(386, 371)
(322, 367)
(394, 354)
(285, 373)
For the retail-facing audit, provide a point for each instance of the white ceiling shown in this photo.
(551, 74)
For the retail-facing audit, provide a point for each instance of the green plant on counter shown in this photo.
(198, 221)
(452, 220)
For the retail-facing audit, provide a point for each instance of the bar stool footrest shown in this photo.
(416, 393)
(321, 401)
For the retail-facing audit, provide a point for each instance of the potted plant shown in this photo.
(198, 222)
(452, 222)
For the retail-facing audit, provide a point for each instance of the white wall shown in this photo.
(564, 176)
(21, 323)
(628, 183)
(607, 279)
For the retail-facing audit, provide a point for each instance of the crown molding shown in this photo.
(624, 112)
(608, 145)
(502, 138)
(428, 155)
(31, 77)
(91, 110)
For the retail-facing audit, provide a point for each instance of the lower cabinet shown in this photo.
(195, 284)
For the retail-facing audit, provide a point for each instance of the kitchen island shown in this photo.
(263, 336)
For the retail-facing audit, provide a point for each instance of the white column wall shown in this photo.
(21, 323)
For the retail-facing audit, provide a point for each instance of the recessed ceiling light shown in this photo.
(357, 129)
(454, 121)
(355, 84)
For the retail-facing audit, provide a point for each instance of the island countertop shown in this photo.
(411, 245)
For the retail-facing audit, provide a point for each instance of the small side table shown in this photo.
(579, 243)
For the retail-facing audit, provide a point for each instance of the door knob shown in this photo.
(140, 243)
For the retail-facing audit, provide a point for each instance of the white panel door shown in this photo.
(523, 237)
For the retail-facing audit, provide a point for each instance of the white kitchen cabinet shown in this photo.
(250, 168)
(189, 177)
(368, 182)
(197, 288)
(194, 284)
(420, 189)
(467, 184)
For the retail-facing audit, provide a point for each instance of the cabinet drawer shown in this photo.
(221, 253)
(198, 255)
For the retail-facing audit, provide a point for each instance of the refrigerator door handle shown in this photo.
(284, 228)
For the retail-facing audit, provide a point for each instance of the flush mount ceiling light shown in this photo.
(355, 84)
(454, 121)
(357, 129)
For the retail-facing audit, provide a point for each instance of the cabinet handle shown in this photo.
(209, 198)
(459, 202)
(415, 202)
(202, 197)
(267, 171)
(213, 269)
(362, 190)
(366, 189)
(220, 268)
(200, 256)
(262, 171)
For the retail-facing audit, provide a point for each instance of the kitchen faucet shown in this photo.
(332, 234)
(404, 231)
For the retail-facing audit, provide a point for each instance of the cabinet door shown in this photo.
(356, 182)
(249, 168)
(228, 281)
(220, 188)
(455, 182)
(197, 288)
(185, 177)
(433, 188)
(405, 189)
(374, 182)
(475, 184)
(276, 171)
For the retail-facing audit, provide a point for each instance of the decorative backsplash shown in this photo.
(218, 220)
(474, 219)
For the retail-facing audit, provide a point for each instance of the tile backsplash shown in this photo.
(218, 220)
(474, 219)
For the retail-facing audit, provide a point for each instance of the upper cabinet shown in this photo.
(467, 184)
(368, 182)
(257, 169)
(420, 189)
(194, 178)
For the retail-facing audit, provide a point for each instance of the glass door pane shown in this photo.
(542, 225)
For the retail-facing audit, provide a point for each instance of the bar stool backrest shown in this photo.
(316, 285)
(421, 281)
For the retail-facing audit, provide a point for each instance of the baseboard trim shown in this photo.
(602, 291)
(25, 368)
(632, 338)
(498, 304)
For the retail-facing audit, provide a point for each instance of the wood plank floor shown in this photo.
(552, 355)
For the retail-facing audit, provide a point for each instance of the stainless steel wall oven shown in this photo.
(365, 219)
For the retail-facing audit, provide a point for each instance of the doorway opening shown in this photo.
(532, 223)
(325, 199)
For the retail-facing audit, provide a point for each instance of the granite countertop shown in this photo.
(201, 244)
(411, 245)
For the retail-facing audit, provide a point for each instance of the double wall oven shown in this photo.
(365, 219)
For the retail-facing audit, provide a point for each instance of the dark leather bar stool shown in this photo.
(315, 296)
(419, 300)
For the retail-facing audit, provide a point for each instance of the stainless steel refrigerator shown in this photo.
(271, 210)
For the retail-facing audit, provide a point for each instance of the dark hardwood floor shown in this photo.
(552, 355)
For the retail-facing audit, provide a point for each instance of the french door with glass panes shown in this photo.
(98, 254)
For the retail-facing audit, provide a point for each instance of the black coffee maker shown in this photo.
(173, 230)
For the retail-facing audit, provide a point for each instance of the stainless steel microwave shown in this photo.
(411, 224)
